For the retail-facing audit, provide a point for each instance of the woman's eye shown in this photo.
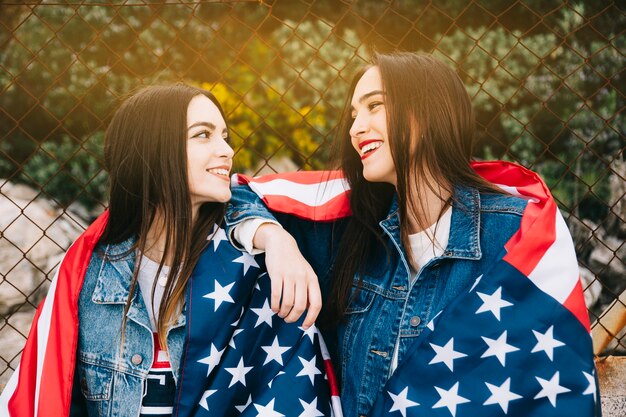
(205, 134)
(374, 105)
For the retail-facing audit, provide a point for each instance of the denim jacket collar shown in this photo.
(113, 283)
(464, 239)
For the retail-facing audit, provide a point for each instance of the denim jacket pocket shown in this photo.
(361, 301)
(96, 382)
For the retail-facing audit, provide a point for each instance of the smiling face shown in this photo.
(209, 157)
(369, 129)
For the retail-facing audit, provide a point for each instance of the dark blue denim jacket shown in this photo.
(393, 306)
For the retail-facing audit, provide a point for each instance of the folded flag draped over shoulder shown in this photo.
(516, 343)
(239, 357)
(41, 386)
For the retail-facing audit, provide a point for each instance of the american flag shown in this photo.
(516, 343)
(239, 357)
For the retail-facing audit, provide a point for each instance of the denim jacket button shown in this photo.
(136, 359)
(415, 321)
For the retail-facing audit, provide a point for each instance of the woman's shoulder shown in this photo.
(502, 203)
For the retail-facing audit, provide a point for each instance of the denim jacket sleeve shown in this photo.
(318, 241)
(244, 204)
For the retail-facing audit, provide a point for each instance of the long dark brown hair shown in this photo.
(146, 157)
(430, 127)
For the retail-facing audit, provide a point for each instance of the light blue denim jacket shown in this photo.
(393, 306)
(108, 382)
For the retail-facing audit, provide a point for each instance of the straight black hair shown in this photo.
(146, 158)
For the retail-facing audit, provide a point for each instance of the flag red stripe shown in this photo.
(59, 359)
(21, 403)
(575, 303)
(336, 208)
(300, 177)
(332, 379)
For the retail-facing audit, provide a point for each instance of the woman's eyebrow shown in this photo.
(208, 125)
(368, 95)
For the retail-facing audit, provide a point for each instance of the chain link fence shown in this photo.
(546, 78)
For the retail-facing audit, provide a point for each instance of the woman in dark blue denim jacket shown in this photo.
(423, 225)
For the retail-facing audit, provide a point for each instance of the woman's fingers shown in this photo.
(300, 301)
(287, 301)
(294, 286)
(315, 303)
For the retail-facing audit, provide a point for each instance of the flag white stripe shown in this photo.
(557, 272)
(9, 389)
(43, 329)
(513, 191)
(323, 348)
(156, 410)
(336, 410)
(310, 194)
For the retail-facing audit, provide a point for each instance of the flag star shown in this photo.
(431, 323)
(476, 281)
(238, 373)
(257, 286)
(501, 395)
(221, 294)
(401, 402)
(310, 332)
(267, 410)
(242, 407)
(591, 389)
(309, 369)
(450, 399)
(265, 314)
(217, 236)
(551, 388)
(446, 354)
(213, 359)
(493, 303)
(203, 400)
(498, 348)
(247, 260)
(310, 409)
(274, 352)
(269, 384)
(546, 342)
(236, 322)
(232, 338)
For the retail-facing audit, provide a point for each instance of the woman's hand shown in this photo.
(295, 287)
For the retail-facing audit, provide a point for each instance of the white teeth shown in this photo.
(370, 147)
(218, 171)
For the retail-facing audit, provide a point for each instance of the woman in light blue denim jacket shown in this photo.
(158, 209)
(168, 157)
(423, 225)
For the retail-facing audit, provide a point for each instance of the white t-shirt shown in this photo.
(147, 272)
(422, 247)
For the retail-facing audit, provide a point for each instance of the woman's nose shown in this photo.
(359, 126)
(226, 150)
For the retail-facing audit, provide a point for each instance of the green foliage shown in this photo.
(68, 171)
(539, 101)
(547, 83)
